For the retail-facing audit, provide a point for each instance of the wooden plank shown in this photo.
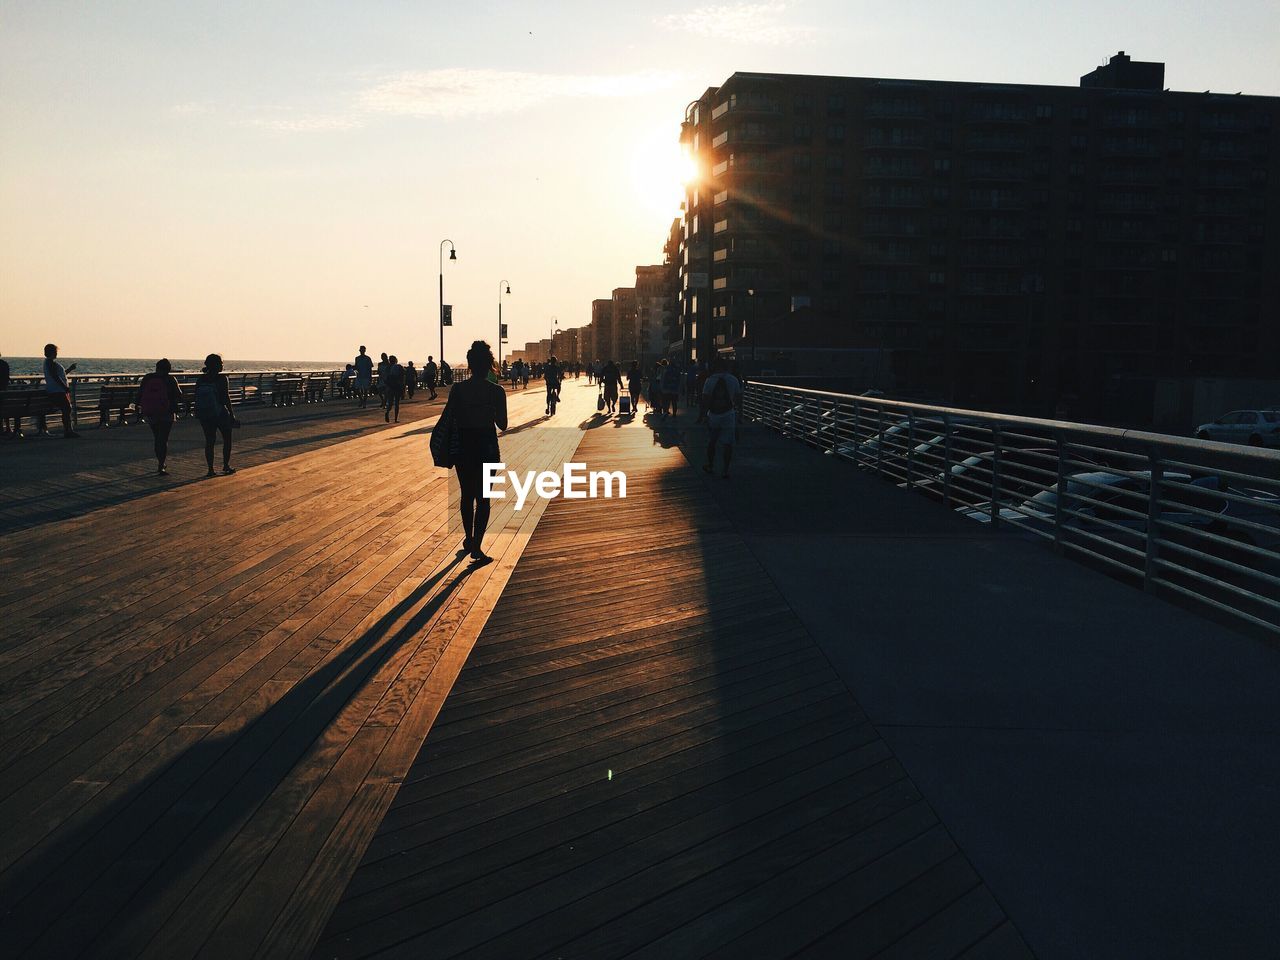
(674, 783)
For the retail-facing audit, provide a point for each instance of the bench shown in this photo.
(286, 392)
(113, 396)
(316, 386)
(16, 405)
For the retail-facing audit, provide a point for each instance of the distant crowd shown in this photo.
(715, 390)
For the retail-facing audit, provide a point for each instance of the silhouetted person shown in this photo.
(671, 388)
(446, 373)
(430, 373)
(57, 388)
(552, 375)
(393, 388)
(159, 399)
(611, 377)
(364, 376)
(410, 378)
(4, 385)
(382, 381)
(720, 395)
(479, 409)
(213, 410)
(635, 386)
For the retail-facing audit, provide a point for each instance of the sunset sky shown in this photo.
(273, 180)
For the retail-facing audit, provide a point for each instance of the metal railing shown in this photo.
(1196, 518)
(246, 387)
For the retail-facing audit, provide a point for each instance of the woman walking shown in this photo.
(478, 408)
(213, 410)
(159, 398)
(635, 386)
(611, 377)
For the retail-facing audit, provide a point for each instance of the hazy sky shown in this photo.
(272, 180)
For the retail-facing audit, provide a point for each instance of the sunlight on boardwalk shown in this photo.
(210, 695)
(647, 752)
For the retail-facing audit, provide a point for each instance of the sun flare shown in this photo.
(660, 170)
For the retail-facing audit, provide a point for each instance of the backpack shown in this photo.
(154, 398)
(720, 401)
(207, 406)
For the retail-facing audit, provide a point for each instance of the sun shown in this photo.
(660, 171)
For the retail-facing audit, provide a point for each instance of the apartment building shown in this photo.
(1020, 247)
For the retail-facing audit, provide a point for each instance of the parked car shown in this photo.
(1024, 472)
(1116, 509)
(1258, 428)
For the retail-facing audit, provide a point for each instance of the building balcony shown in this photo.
(980, 144)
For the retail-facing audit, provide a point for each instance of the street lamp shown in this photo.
(555, 322)
(501, 284)
(453, 255)
(752, 294)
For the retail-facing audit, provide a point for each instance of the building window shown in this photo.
(1079, 113)
(937, 278)
(803, 103)
(801, 162)
(942, 165)
(1074, 225)
(941, 194)
(1076, 169)
(1168, 255)
(1044, 111)
(802, 132)
(835, 104)
(1078, 141)
(835, 163)
(835, 133)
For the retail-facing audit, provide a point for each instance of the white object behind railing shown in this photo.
(1197, 518)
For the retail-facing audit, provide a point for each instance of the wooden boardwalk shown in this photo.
(209, 695)
(647, 754)
(214, 701)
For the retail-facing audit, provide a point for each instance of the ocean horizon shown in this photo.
(99, 366)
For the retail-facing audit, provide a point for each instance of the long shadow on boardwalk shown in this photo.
(118, 879)
(646, 752)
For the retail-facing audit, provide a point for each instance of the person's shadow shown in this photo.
(105, 882)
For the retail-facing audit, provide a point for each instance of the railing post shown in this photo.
(835, 424)
(1060, 501)
(879, 440)
(857, 418)
(75, 417)
(911, 448)
(946, 460)
(995, 478)
(1153, 522)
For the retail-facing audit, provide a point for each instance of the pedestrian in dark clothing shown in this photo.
(394, 388)
(410, 378)
(430, 374)
(213, 410)
(611, 378)
(446, 373)
(57, 388)
(478, 408)
(159, 399)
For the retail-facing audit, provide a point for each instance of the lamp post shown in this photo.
(501, 285)
(752, 294)
(555, 322)
(453, 255)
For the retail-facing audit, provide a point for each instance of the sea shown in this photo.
(34, 366)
